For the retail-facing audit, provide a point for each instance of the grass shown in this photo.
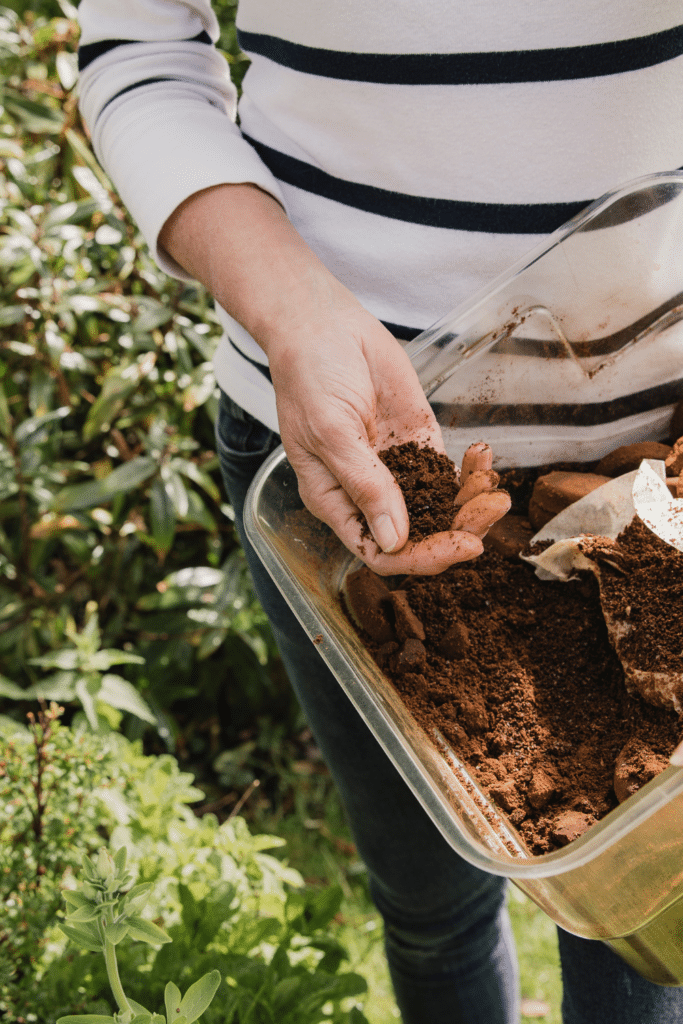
(319, 846)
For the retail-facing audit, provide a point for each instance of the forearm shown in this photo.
(238, 242)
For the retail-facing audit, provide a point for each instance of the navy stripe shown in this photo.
(556, 64)
(457, 215)
(261, 367)
(137, 85)
(591, 415)
(91, 51)
(555, 415)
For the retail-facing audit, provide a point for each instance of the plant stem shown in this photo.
(114, 979)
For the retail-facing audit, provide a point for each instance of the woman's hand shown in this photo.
(345, 388)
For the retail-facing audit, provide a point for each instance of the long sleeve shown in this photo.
(157, 99)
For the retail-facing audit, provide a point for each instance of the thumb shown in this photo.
(343, 488)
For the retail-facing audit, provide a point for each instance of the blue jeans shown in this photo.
(448, 939)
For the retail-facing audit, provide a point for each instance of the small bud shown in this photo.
(105, 865)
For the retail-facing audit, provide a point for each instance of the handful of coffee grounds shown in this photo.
(429, 484)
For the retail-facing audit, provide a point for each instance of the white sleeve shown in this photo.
(157, 99)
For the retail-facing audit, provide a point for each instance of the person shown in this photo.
(391, 157)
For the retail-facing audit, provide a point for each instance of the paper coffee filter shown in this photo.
(604, 513)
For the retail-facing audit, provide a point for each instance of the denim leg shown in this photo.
(601, 988)
(448, 939)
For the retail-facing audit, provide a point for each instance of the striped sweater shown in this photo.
(420, 147)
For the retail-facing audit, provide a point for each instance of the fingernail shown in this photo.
(677, 756)
(384, 532)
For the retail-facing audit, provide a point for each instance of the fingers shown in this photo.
(477, 481)
(477, 458)
(332, 501)
(478, 502)
(426, 557)
(343, 493)
(479, 514)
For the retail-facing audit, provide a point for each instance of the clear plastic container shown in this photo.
(601, 300)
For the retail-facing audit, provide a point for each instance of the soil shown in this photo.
(479, 653)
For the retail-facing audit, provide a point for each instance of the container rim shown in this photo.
(469, 306)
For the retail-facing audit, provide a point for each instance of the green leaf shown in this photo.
(11, 690)
(192, 471)
(146, 931)
(5, 417)
(120, 859)
(71, 213)
(162, 516)
(151, 314)
(101, 660)
(75, 899)
(137, 897)
(60, 687)
(199, 996)
(202, 386)
(171, 1000)
(176, 489)
(86, 1018)
(83, 688)
(33, 430)
(82, 936)
(116, 931)
(36, 117)
(197, 512)
(85, 154)
(96, 492)
(122, 695)
(65, 659)
(118, 385)
(12, 315)
(86, 912)
(137, 1007)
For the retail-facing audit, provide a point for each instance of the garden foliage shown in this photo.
(114, 535)
(209, 895)
(124, 596)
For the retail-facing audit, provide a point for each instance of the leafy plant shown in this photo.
(102, 913)
(48, 819)
(216, 890)
(109, 486)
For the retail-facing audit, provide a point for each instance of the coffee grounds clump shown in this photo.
(650, 598)
(429, 483)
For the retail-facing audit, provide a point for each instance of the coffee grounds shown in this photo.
(429, 484)
(542, 733)
(649, 596)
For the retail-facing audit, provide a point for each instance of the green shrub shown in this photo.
(110, 495)
(226, 903)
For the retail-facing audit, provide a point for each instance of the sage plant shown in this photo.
(103, 912)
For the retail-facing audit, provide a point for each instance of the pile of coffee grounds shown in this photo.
(519, 676)
(429, 484)
(648, 595)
